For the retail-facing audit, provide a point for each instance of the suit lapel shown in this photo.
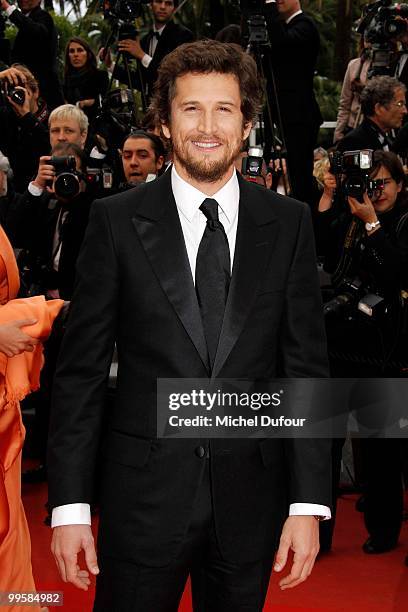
(158, 226)
(256, 234)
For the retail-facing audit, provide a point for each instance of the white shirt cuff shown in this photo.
(34, 189)
(71, 514)
(146, 59)
(10, 10)
(96, 154)
(310, 510)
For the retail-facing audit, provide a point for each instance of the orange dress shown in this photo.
(18, 376)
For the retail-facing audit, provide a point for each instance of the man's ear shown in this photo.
(247, 129)
(166, 131)
(160, 162)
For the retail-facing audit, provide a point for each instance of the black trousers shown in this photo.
(217, 585)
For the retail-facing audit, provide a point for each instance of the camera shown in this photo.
(16, 93)
(352, 171)
(352, 295)
(252, 163)
(382, 21)
(381, 24)
(67, 178)
(122, 10)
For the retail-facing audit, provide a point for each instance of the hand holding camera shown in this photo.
(132, 47)
(45, 174)
(363, 210)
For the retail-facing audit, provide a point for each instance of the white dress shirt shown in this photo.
(147, 58)
(193, 221)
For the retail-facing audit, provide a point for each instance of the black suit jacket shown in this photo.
(365, 136)
(294, 51)
(134, 285)
(172, 37)
(36, 46)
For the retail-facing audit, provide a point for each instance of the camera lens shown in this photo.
(66, 185)
(17, 95)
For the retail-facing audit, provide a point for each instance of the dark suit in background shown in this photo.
(36, 46)
(134, 286)
(294, 51)
(170, 38)
(366, 136)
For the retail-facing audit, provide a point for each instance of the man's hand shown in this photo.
(86, 103)
(13, 76)
(13, 341)
(301, 535)
(45, 174)
(4, 5)
(67, 542)
(132, 47)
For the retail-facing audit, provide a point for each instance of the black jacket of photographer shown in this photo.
(32, 223)
(366, 136)
(380, 261)
(23, 140)
(36, 46)
(294, 51)
(172, 36)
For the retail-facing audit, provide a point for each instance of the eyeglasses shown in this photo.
(400, 104)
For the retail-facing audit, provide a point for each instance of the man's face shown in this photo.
(391, 115)
(206, 126)
(28, 5)
(162, 11)
(286, 8)
(66, 130)
(139, 160)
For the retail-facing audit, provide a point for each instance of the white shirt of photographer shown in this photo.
(193, 222)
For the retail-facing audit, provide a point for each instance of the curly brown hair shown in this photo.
(205, 57)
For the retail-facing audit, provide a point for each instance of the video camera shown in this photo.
(122, 14)
(352, 171)
(381, 25)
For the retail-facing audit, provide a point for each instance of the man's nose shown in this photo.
(207, 123)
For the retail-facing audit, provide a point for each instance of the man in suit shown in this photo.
(384, 108)
(155, 275)
(295, 45)
(152, 48)
(35, 46)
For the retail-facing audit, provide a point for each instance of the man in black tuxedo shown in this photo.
(155, 275)
(295, 45)
(36, 45)
(152, 48)
(384, 108)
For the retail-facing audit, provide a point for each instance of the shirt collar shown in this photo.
(189, 199)
(293, 16)
(159, 30)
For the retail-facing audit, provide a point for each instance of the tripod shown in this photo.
(259, 47)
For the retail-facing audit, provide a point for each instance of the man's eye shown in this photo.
(191, 108)
(225, 109)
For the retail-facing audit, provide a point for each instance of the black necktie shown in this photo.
(212, 276)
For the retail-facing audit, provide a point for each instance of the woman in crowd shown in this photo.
(368, 241)
(83, 81)
(24, 324)
(349, 115)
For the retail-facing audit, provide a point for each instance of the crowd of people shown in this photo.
(65, 143)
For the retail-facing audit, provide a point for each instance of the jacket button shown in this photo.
(200, 451)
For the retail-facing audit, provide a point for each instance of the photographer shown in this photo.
(142, 155)
(163, 38)
(383, 105)
(367, 241)
(294, 49)
(54, 227)
(35, 46)
(23, 121)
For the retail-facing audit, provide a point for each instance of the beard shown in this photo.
(203, 168)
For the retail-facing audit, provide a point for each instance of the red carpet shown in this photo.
(344, 580)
